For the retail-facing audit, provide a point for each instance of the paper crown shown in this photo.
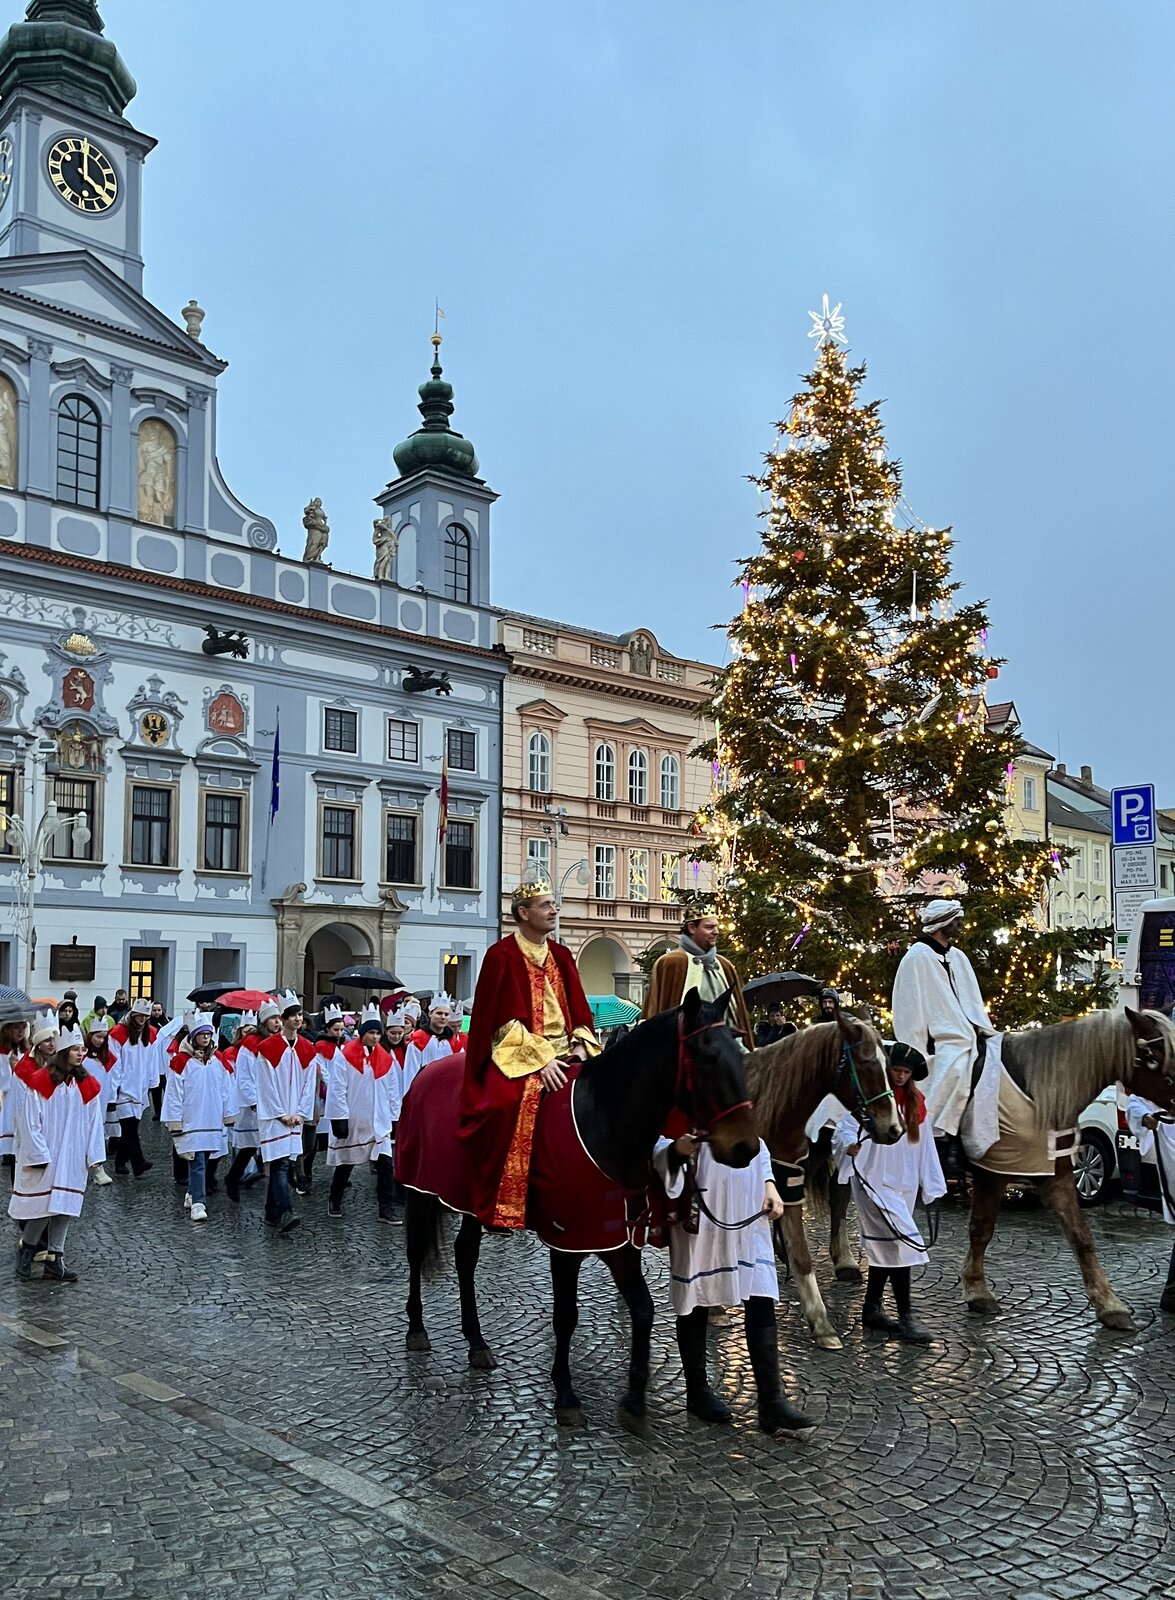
(248, 1019)
(370, 1017)
(44, 1028)
(696, 904)
(201, 1023)
(530, 889)
(331, 1014)
(99, 1025)
(397, 1018)
(441, 1002)
(141, 1007)
(288, 1001)
(67, 1038)
(267, 1009)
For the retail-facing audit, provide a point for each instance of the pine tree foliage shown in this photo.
(857, 772)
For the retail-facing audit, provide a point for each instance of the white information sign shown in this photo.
(1134, 866)
(1127, 904)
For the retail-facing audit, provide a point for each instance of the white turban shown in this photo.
(938, 913)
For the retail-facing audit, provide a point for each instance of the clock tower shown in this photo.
(70, 163)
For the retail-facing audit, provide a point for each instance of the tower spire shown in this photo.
(436, 444)
(60, 50)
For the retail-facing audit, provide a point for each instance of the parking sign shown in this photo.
(1133, 813)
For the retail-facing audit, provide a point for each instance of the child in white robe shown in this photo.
(362, 1108)
(196, 1110)
(287, 1079)
(102, 1061)
(245, 1139)
(58, 1140)
(718, 1266)
(1154, 1129)
(885, 1180)
(138, 1060)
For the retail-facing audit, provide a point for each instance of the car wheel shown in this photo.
(1093, 1167)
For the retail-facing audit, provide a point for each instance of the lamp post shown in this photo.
(580, 870)
(31, 845)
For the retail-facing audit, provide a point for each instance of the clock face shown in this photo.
(7, 159)
(82, 174)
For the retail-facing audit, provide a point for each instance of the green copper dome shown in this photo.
(435, 444)
(60, 51)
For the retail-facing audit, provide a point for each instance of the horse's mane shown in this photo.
(1067, 1065)
(782, 1075)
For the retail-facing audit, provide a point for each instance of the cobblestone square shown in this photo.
(213, 1409)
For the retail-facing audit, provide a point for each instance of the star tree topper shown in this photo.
(828, 326)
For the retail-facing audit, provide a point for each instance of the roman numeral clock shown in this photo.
(82, 173)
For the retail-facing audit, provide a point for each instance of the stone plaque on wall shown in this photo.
(72, 963)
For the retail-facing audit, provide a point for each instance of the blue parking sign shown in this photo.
(1133, 814)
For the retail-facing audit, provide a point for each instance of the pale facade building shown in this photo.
(599, 787)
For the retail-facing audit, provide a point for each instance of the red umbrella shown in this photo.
(244, 999)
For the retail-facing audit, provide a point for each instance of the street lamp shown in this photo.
(580, 871)
(30, 849)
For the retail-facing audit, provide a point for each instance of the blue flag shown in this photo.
(275, 778)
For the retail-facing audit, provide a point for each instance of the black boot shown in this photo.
(776, 1412)
(56, 1270)
(872, 1315)
(700, 1399)
(907, 1329)
(24, 1261)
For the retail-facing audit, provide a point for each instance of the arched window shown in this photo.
(538, 764)
(79, 436)
(638, 778)
(670, 783)
(9, 434)
(605, 765)
(458, 566)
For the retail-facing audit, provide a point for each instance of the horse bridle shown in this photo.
(848, 1062)
(688, 1086)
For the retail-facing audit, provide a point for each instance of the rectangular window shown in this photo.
(151, 830)
(1030, 794)
(1099, 865)
(400, 848)
(403, 741)
(538, 858)
(75, 797)
(340, 731)
(462, 750)
(338, 842)
(1077, 865)
(7, 807)
(223, 833)
(221, 966)
(460, 856)
(638, 874)
(1162, 877)
(670, 877)
(142, 980)
(605, 873)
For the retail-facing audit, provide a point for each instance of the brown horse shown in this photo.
(1062, 1069)
(787, 1081)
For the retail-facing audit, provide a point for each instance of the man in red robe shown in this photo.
(530, 1017)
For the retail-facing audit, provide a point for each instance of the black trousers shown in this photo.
(385, 1181)
(127, 1147)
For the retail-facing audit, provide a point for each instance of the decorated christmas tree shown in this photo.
(856, 771)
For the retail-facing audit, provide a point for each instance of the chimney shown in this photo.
(1060, 770)
(1087, 774)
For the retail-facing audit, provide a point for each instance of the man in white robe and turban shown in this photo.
(937, 1008)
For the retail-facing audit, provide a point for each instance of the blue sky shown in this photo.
(626, 211)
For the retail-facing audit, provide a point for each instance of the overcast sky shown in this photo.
(627, 211)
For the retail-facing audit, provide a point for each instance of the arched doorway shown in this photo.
(604, 967)
(328, 951)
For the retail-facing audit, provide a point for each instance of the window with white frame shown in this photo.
(605, 873)
(670, 783)
(462, 750)
(401, 852)
(1099, 864)
(403, 740)
(538, 764)
(1030, 794)
(223, 833)
(338, 850)
(340, 730)
(605, 772)
(670, 877)
(638, 778)
(538, 858)
(638, 875)
(1077, 863)
(461, 855)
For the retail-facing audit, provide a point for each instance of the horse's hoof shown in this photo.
(829, 1341)
(482, 1360)
(985, 1305)
(1120, 1321)
(569, 1416)
(418, 1341)
(848, 1275)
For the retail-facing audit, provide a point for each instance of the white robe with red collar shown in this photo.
(8, 1100)
(287, 1077)
(364, 1092)
(424, 1046)
(139, 1066)
(196, 1096)
(58, 1139)
(244, 1094)
(108, 1074)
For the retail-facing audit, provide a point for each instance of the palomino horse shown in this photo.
(687, 1060)
(1061, 1068)
(787, 1081)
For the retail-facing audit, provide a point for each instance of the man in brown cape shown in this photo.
(696, 964)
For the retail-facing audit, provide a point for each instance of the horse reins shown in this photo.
(687, 1085)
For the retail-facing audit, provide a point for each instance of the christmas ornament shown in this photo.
(828, 325)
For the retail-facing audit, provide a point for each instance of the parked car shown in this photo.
(1108, 1153)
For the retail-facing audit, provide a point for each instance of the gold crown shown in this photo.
(531, 889)
(79, 645)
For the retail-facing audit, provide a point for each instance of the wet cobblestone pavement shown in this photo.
(211, 1409)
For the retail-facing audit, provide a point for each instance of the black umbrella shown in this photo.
(777, 988)
(15, 1005)
(209, 993)
(367, 978)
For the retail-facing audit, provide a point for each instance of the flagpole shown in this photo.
(274, 796)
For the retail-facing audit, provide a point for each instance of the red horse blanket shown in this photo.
(571, 1204)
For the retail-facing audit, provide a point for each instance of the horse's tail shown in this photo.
(818, 1172)
(424, 1233)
